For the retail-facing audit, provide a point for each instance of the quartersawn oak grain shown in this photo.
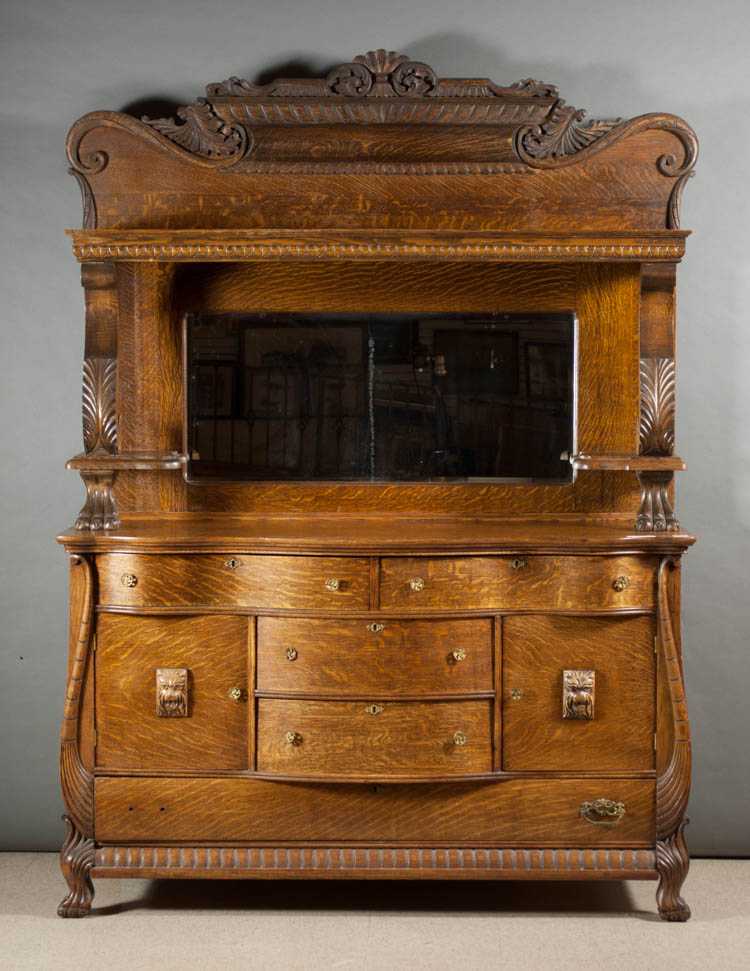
(384, 657)
(374, 738)
(620, 650)
(378, 188)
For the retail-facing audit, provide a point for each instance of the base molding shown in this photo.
(368, 862)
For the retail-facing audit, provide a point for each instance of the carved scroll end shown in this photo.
(99, 511)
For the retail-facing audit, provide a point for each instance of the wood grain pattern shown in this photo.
(345, 656)
(518, 812)
(572, 583)
(379, 738)
(257, 581)
(131, 735)
(536, 650)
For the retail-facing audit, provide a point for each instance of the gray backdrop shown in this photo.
(62, 59)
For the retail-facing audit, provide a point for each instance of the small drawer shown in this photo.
(517, 812)
(371, 657)
(357, 739)
(517, 582)
(274, 582)
(578, 693)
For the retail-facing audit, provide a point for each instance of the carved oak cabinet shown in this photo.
(378, 572)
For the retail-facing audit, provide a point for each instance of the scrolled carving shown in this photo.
(203, 132)
(99, 409)
(89, 218)
(672, 864)
(655, 513)
(383, 74)
(76, 861)
(563, 134)
(657, 406)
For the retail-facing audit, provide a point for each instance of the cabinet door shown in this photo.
(578, 693)
(171, 692)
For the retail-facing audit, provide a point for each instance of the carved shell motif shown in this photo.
(203, 132)
(383, 74)
(99, 404)
(657, 406)
(564, 133)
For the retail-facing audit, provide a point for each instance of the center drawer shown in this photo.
(357, 739)
(365, 657)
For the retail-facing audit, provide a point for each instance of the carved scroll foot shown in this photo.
(655, 514)
(76, 861)
(99, 511)
(672, 862)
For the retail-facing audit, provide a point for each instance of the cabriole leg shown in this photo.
(76, 861)
(672, 862)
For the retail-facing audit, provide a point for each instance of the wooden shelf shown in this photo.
(627, 463)
(257, 245)
(127, 462)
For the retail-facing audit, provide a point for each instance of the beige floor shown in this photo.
(176, 925)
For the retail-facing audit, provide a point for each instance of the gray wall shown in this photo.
(62, 59)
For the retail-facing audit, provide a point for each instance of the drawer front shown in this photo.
(365, 657)
(520, 582)
(274, 582)
(603, 718)
(359, 739)
(184, 717)
(539, 812)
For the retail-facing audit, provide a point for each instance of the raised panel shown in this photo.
(259, 581)
(210, 732)
(533, 812)
(358, 739)
(517, 583)
(620, 734)
(366, 656)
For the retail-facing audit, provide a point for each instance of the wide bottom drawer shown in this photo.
(536, 812)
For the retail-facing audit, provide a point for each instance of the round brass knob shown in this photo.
(293, 738)
(236, 694)
(232, 563)
(458, 655)
(459, 739)
(518, 563)
(291, 654)
(620, 583)
(375, 628)
(516, 694)
(416, 584)
(333, 584)
(128, 579)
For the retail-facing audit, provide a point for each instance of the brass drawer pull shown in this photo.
(291, 654)
(620, 583)
(232, 563)
(603, 812)
(518, 563)
(459, 738)
(375, 628)
(293, 738)
(128, 579)
(578, 695)
(416, 584)
(333, 584)
(458, 655)
(374, 709)
(237, 694)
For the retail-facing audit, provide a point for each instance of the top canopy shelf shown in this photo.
(259, 245)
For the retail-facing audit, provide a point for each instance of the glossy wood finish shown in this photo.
(374, 738)
(514, 583)
(130, 734)
(374, 657)
(514, 812)
(536, 650)
(378, 188)
(262, 581)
